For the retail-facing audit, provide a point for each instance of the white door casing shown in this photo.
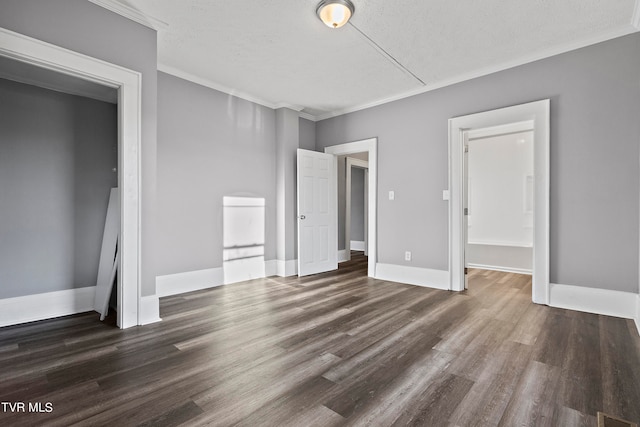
(370, 146)
(538, 112)
(317, 213)
(128, 82)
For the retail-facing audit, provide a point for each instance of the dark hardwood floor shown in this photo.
(330, 349)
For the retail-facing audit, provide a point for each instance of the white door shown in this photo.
(317, 213)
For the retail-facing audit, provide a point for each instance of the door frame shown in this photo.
(371, 146)
(539, 113)
(128, 83)
(360, 164)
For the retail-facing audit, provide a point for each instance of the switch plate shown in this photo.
(392, 195)
(407, 256)
(445, 194)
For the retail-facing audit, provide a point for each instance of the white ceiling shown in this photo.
(277, 52)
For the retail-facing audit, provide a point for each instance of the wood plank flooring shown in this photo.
(329, 350)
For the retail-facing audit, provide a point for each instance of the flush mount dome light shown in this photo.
(335, 13)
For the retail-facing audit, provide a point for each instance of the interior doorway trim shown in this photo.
(371, 146)
(361, 164)
(538, 113)
(128, 83)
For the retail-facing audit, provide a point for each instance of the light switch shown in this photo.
(392, 195)
(445, 194)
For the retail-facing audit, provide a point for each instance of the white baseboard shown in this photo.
(179, 283)
(343, 255)
(271, 268)
(239, 270)
(287, 268)
(149, 310)
(189, 281)
(593, 300)
(500, 268)
(30, 308)
(438, 279)
(357, 245)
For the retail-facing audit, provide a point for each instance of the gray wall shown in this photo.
(210, 145)
(595, 99)
(307, 138)
(57, 153)
(92, 30)
(357, 204)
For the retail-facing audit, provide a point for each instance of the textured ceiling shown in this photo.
(278, 53)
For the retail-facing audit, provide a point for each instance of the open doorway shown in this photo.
(68, 64)
(354, 225)
(536, 113)
(365, 148)
(498, 202)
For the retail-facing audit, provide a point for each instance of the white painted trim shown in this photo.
(149, 309)
(593, 300)
(197, 280)
(270, 268)
(132, 14)
(525, 59)
(202, 81)
(343, 255)
(350, 162)
(371, 146)
(429, 278)
(357, 245)
(287, 268)
(635, 19)
(538, 112)
(500, 268)
(179, 283)
(58, 59)
(48, 305)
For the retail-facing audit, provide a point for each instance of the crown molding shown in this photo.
(567, 47)
(557, 50)
(167, 69)
(132, 14)
(635, 20)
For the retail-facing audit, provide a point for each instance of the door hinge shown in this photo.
(466, 148)
(466, 211)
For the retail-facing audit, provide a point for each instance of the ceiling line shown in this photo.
(386, 54)
(529, 57)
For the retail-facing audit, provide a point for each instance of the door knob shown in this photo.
(302, 217)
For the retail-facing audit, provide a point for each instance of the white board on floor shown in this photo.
(108, 256)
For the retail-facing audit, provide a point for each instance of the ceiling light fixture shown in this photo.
(335, 13)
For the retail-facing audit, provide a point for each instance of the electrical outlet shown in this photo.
(407, 256)
(392, 195)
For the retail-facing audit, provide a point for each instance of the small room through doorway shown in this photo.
(58, 163)
(498, 205)
(355, 206)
